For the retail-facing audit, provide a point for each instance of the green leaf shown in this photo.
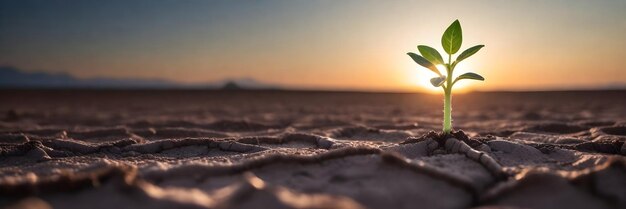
(438, 81)
(452, 38)
(424, 62)
(430, 54)
(472, 76)
(469, 52)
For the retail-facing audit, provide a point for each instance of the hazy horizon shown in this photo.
(359, 45)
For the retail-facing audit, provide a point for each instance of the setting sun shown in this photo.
(422, 78)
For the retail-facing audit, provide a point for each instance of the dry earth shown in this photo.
(275, 149)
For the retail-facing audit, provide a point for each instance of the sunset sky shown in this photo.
(319, 44)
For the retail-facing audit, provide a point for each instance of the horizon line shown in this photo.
(338, 90)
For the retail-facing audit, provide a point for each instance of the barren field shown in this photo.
(284, 149)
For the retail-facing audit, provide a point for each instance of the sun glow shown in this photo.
(422, 76)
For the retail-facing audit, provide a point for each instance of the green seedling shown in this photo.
(451, 42)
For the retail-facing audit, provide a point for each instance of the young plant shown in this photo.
(451, 42)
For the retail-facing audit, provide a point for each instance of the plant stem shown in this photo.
(447, 110)
(447, 100)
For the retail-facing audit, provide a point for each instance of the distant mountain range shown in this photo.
(11, 77)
